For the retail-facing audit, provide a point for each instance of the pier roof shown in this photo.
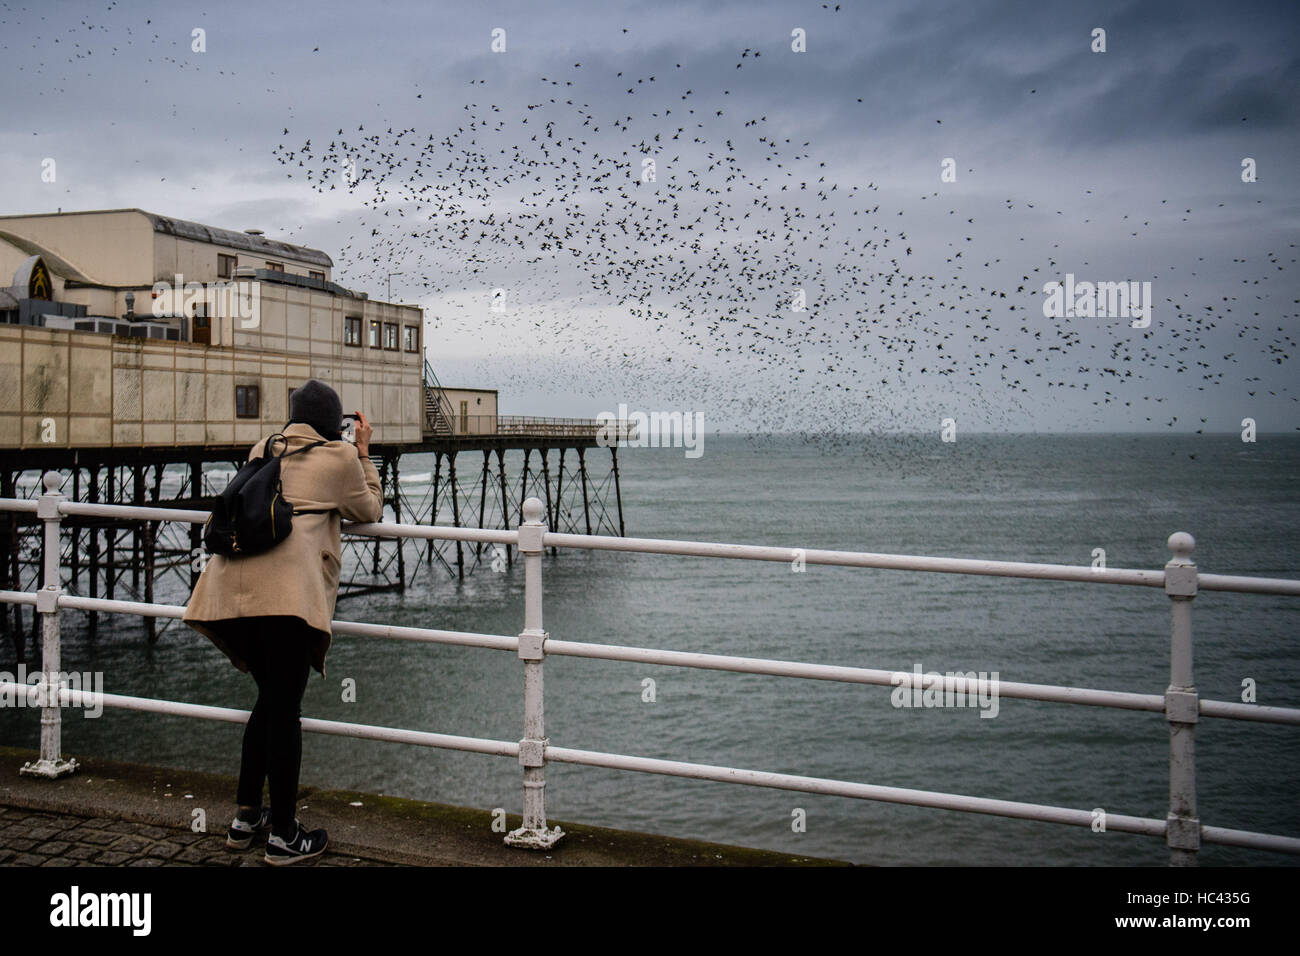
(198, 232)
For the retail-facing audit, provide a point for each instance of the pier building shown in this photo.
(141, 355)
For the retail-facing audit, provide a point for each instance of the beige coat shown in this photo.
(298, 577)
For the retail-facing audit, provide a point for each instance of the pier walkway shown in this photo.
(122, 814)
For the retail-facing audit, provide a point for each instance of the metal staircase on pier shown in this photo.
(438, 416)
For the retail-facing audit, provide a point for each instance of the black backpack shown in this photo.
(251, 515)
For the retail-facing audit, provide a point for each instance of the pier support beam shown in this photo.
(586, 503)
(74, 529)
(150, 555)
(523, 488)
(546, 480)
(559, 494)
(140, 555)
(137, 527)
(196, 530)
(397, 517)
(93, 621)
(374, 550)
(110, 538)
(433, 508)
(505, 503)
(618, 491)
(455, 513)
(482, 502)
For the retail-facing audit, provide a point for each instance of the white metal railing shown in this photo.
(1181, 704)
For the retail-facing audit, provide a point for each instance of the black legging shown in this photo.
(278, 654)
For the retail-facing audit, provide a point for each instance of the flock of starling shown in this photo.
(674, 244)
(545, 208)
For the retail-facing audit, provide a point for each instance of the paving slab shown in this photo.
(110, 813)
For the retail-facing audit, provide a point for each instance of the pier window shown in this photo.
(247, 401)
(352, 330)
(412, 334)
(275, 266)
(316, 275)
(374, 333)
(226, 266)
(390, 336)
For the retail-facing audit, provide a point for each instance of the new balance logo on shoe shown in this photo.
(302, 846)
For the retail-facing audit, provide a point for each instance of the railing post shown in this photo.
(51, 762)
(1182, 706)
(534, 833)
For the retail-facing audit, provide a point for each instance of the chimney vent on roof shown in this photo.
(254, 232)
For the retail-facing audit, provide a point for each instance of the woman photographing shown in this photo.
(270, 612)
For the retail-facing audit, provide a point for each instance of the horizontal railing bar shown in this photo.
(548, 420)
(1253, 841)
(500, 642)
(1236, 582)
(376, 529)
(1235, 711)
(854, 675)
(76, 602)
(860, 559)
(387, 529)
(921, 798)
(175, 708)
(427, 635)
(853, 559)
(861, 791)
(380, 529)
(139, 512)
(1122, 700)
(904, 562)
(421, 738)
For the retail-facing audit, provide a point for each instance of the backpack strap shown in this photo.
(290, 454)
(270, 443)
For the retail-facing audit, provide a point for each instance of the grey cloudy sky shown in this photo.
(1117, 165)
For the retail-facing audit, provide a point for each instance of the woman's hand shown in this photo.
(362, 432)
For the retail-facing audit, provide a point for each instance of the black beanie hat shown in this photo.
(317, 405)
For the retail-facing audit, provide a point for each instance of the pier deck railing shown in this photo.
(1182, 706)
(533, 426)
